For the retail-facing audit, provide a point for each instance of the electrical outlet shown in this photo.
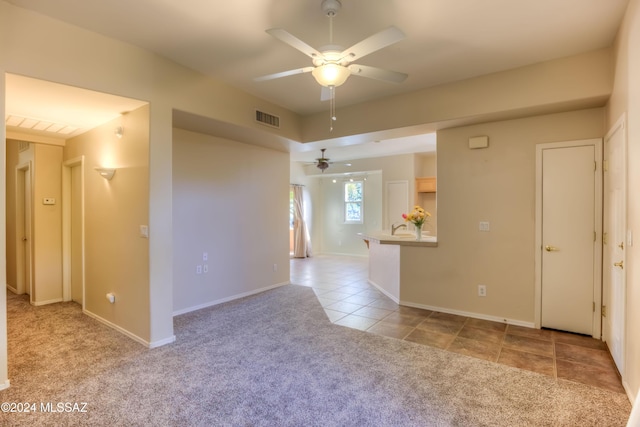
(482, 290)
(198, 269)
(205, 256)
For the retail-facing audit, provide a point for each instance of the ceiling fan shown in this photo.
(323, 162)
(332, 64)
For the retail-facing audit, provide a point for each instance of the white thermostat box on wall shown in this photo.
(479, 142)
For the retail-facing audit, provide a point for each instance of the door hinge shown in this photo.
(594, 236)
(604, 238)
(604, 311)
(605, 165)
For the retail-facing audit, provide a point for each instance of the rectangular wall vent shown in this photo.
(267, 119)
(23, 146)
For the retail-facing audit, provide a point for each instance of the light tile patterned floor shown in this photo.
(340, 283)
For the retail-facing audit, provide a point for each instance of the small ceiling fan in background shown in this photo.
(332, 64)
(323, 162)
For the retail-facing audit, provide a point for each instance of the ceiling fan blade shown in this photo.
(294, 42)
(284, 74)
(377, 73)
(372, 43)
(326, 94)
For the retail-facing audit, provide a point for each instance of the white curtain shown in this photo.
(301, 244)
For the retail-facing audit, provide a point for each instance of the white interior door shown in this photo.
(23, 230)
(615, 245)
(397, 201)
(568, 238)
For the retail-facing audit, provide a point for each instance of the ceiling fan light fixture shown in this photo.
(331, 74)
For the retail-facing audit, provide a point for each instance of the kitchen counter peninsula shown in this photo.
(385, 254)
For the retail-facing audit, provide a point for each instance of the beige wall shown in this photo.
(336, 237)
(230, 200)
(116, 257)
(496, 184)
(626, 100)
(555, 85)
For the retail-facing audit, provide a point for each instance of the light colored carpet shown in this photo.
(273, 360)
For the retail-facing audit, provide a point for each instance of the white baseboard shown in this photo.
(378, 287)
(118, 328)
(343, 254)
(469, 314)
(160, 343)
(227, 299)
(51, 301)
(4, 385)
(627, 388)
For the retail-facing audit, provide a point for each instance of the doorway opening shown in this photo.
(23, 243)
(73, 231)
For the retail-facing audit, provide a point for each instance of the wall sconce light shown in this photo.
(106, 173)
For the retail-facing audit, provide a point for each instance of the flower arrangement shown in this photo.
(417, 216)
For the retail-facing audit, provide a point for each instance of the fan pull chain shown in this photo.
(332, 89)
(332, 107)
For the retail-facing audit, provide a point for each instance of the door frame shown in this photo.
(21, 285)
(619, 126)
(597, 264)
(66, 226)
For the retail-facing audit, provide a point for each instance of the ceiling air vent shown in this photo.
(267, 119)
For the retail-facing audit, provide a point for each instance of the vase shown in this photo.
(418, 232)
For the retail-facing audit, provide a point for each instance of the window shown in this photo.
(353, 194)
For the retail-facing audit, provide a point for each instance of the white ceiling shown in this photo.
(56, 104)
(447, 40)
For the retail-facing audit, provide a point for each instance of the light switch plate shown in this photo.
(484, 226)
(144, 231)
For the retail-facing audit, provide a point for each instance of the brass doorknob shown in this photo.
(619, 264)
(550, 248)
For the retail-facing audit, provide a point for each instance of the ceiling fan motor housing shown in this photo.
(330, 7)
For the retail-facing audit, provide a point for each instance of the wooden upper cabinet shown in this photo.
(426, 185)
